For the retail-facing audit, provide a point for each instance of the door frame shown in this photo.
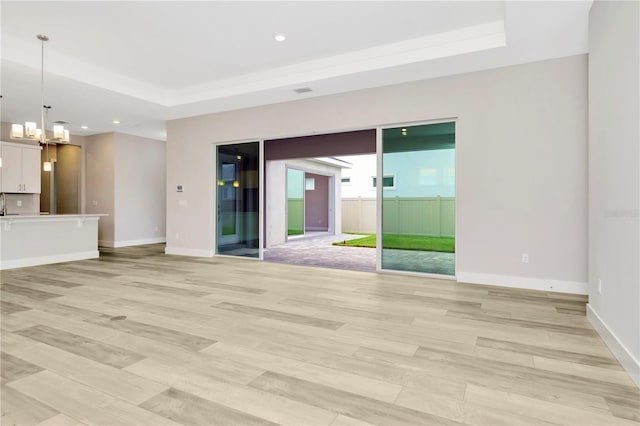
(380, 194)
(331, 216)
(331, 211)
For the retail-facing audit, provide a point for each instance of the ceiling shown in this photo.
(146, 62)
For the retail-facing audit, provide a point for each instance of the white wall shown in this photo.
(614, 179)
(99, 183)
(276, 197)
(521, 137)
(276, 203)
(126, 179)
(141, 188)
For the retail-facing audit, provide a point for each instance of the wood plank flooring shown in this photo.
(140, 338)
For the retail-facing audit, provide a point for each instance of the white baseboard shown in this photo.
(127, 243)
(626, 358)
(154, 240)
(188, 252)
(573, 287)
(45, 260)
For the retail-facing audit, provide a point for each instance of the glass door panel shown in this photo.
(418, 198)
(295, 202)
(238, 192)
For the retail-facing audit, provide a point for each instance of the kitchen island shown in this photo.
(29, 240)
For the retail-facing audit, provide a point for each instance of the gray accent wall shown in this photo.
(68, 177)
(614, 178)
(521, 138)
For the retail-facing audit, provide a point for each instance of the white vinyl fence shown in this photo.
(433, 216)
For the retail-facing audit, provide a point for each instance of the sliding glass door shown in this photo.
(238, 199)
(417, 183)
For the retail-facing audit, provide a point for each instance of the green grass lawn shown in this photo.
(404, 242)
(295, 232)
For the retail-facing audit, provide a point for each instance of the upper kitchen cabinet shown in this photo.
(20, 168)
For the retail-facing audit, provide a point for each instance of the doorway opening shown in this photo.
(303, 201)
(60, 187)
(309, 196)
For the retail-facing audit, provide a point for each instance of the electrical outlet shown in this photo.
(156, 229)
(525, 258)
(177, 236)
(94, 203)
(599, 286)
(19, 203)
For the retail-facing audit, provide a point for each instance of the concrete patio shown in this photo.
(317, 249)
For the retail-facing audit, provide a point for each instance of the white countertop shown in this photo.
(51, 217)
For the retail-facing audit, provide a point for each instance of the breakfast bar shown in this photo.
(29, 240)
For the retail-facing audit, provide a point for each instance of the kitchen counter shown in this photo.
(40, 239)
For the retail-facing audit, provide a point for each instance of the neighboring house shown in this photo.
(358, 180)
(436, 175)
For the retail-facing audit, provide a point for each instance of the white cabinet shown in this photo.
(31, 166)
(20, 168)
(11, 168)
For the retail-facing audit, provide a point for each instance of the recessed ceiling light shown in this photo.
(84, 127)
(115, 122)
(279, 37)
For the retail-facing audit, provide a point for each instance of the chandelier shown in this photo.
(30, 130)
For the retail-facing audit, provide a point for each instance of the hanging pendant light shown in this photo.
(30, 130)
(46, 166)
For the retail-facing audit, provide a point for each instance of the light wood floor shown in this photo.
(140, 338)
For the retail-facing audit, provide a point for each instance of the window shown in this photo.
(388, 181)
(310, 184)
